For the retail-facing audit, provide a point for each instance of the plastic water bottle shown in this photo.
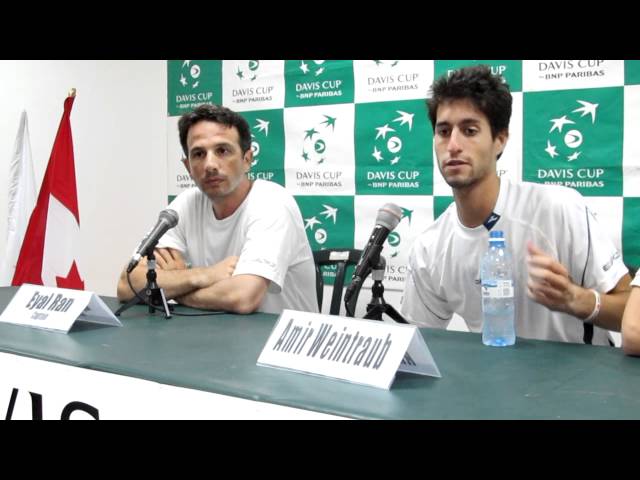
(497, 293)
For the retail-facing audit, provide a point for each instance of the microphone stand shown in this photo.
(377, 306)
(152, 292)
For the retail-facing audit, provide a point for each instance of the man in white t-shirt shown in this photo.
(244, 242)
(631, 320)
(570, 282)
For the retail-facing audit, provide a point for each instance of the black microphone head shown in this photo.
(389, 216)
(170, 217)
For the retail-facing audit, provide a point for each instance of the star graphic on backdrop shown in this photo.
(310, 133)
(330, 121)
(239, 73)
(310, 222)
(551, 149)
(186, 63)
(574, 156)
(405, 118)
(376, 154)
(407, 213)
(304, 67)
(382, 131)
(305, 155)
(262, 126)
(558, 123)
(330, 212)
(587, 109)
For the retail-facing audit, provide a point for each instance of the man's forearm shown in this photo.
(631, 324)
(174, 283)
(239, 294)
(611, 310)
(611, 307)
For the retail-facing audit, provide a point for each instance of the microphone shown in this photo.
(388, 218)
(167, 219)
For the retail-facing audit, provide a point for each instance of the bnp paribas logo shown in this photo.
(317, 141)
(312, 68)
(567, 140)
(320, 223)
(190, 74)
(259, 132)
(388, 141)
(248, 71)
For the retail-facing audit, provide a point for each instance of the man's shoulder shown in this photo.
(442, 225)
(270, 194)
(269, 187)
(269, 200)
(187, 198)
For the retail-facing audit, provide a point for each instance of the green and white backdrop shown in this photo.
(345, 137)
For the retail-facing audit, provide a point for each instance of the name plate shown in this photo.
(367, 352)
(56, 308)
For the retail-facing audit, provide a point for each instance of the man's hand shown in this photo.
(222, 270)
(207, 276)
(549, 283)
(170, 259)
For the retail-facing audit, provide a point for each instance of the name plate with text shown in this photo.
(360, 351)
(56, 308)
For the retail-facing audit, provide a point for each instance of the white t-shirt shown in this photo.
(267, 234)
(636, 280)
(444, 263)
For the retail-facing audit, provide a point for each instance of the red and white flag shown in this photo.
(49, 253)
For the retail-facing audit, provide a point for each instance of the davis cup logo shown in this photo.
(190, 74)
(262, 128)
(248, 70)
(389, 138)
(566, 138)
(315, 143)
(320, 234)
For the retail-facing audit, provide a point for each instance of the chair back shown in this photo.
(342, 257)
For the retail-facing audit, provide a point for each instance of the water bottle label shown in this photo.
(499, 289)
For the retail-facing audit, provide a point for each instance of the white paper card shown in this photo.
(360, 351)
(57, 309)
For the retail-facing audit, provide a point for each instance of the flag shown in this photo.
(21, 199)
(49, 253)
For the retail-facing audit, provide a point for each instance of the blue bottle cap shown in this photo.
(496, 234)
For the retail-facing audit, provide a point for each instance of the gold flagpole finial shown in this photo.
(72, 92)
